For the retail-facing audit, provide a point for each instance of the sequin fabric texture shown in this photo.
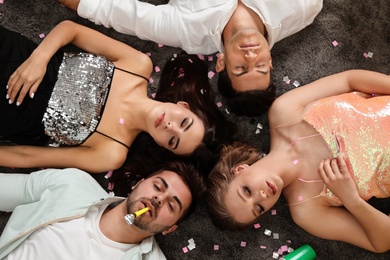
(357, 126)
(77, 101)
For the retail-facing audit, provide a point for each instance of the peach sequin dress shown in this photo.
(357, 125)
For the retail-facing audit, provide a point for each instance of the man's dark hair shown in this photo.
(191, 177)
(248, 103)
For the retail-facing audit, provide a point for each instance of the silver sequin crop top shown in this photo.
(78, 98)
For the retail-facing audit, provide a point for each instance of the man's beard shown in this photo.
(141, 223)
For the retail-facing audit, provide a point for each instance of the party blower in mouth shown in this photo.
(131, 217)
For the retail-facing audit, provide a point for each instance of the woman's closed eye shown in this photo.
(247, 190)
(184, 122)
(260, 209)
(171, 141)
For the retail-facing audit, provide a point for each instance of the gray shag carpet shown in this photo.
(358, 26)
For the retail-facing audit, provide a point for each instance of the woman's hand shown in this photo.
(337, 178)
(26, 79)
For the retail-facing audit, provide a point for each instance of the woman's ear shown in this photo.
(183, 104)
(239, 168)
(220, 65)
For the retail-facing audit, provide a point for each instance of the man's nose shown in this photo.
(250, 55)
(158, 200)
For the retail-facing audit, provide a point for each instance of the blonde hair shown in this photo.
(221, 175)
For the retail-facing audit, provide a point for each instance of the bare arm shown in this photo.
(103, 157)
(358, 223)
(28, 76)
(291, 104)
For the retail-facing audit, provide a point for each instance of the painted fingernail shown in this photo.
(17, 103)
(7, 96)
(32, 95)
(6, 87)
(10, 101)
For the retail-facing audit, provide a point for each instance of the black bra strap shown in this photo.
(128, 147)
(132, 73)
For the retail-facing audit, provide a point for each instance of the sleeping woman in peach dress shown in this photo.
(330, 153)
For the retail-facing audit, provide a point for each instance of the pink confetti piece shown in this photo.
(284, 248)
(153, 95)
(110, 186)
(1, 1)
(121, 121)
(335, 43)
(157, 69)
(190, 61)
(185, 250)
(219, 104)
(211, 74)
(300, 198)
(256, 226)
(160, 45)
(288, 82)
(280, 252)
(148, 54)
(288, 241)
(210, 58)
(108, 174)
(151, 80)
(295, 162)
(42, 35)
(243, 244)
(263, 247)
(216, 247)
(365, 55)
(273, 212)
(201, 56)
